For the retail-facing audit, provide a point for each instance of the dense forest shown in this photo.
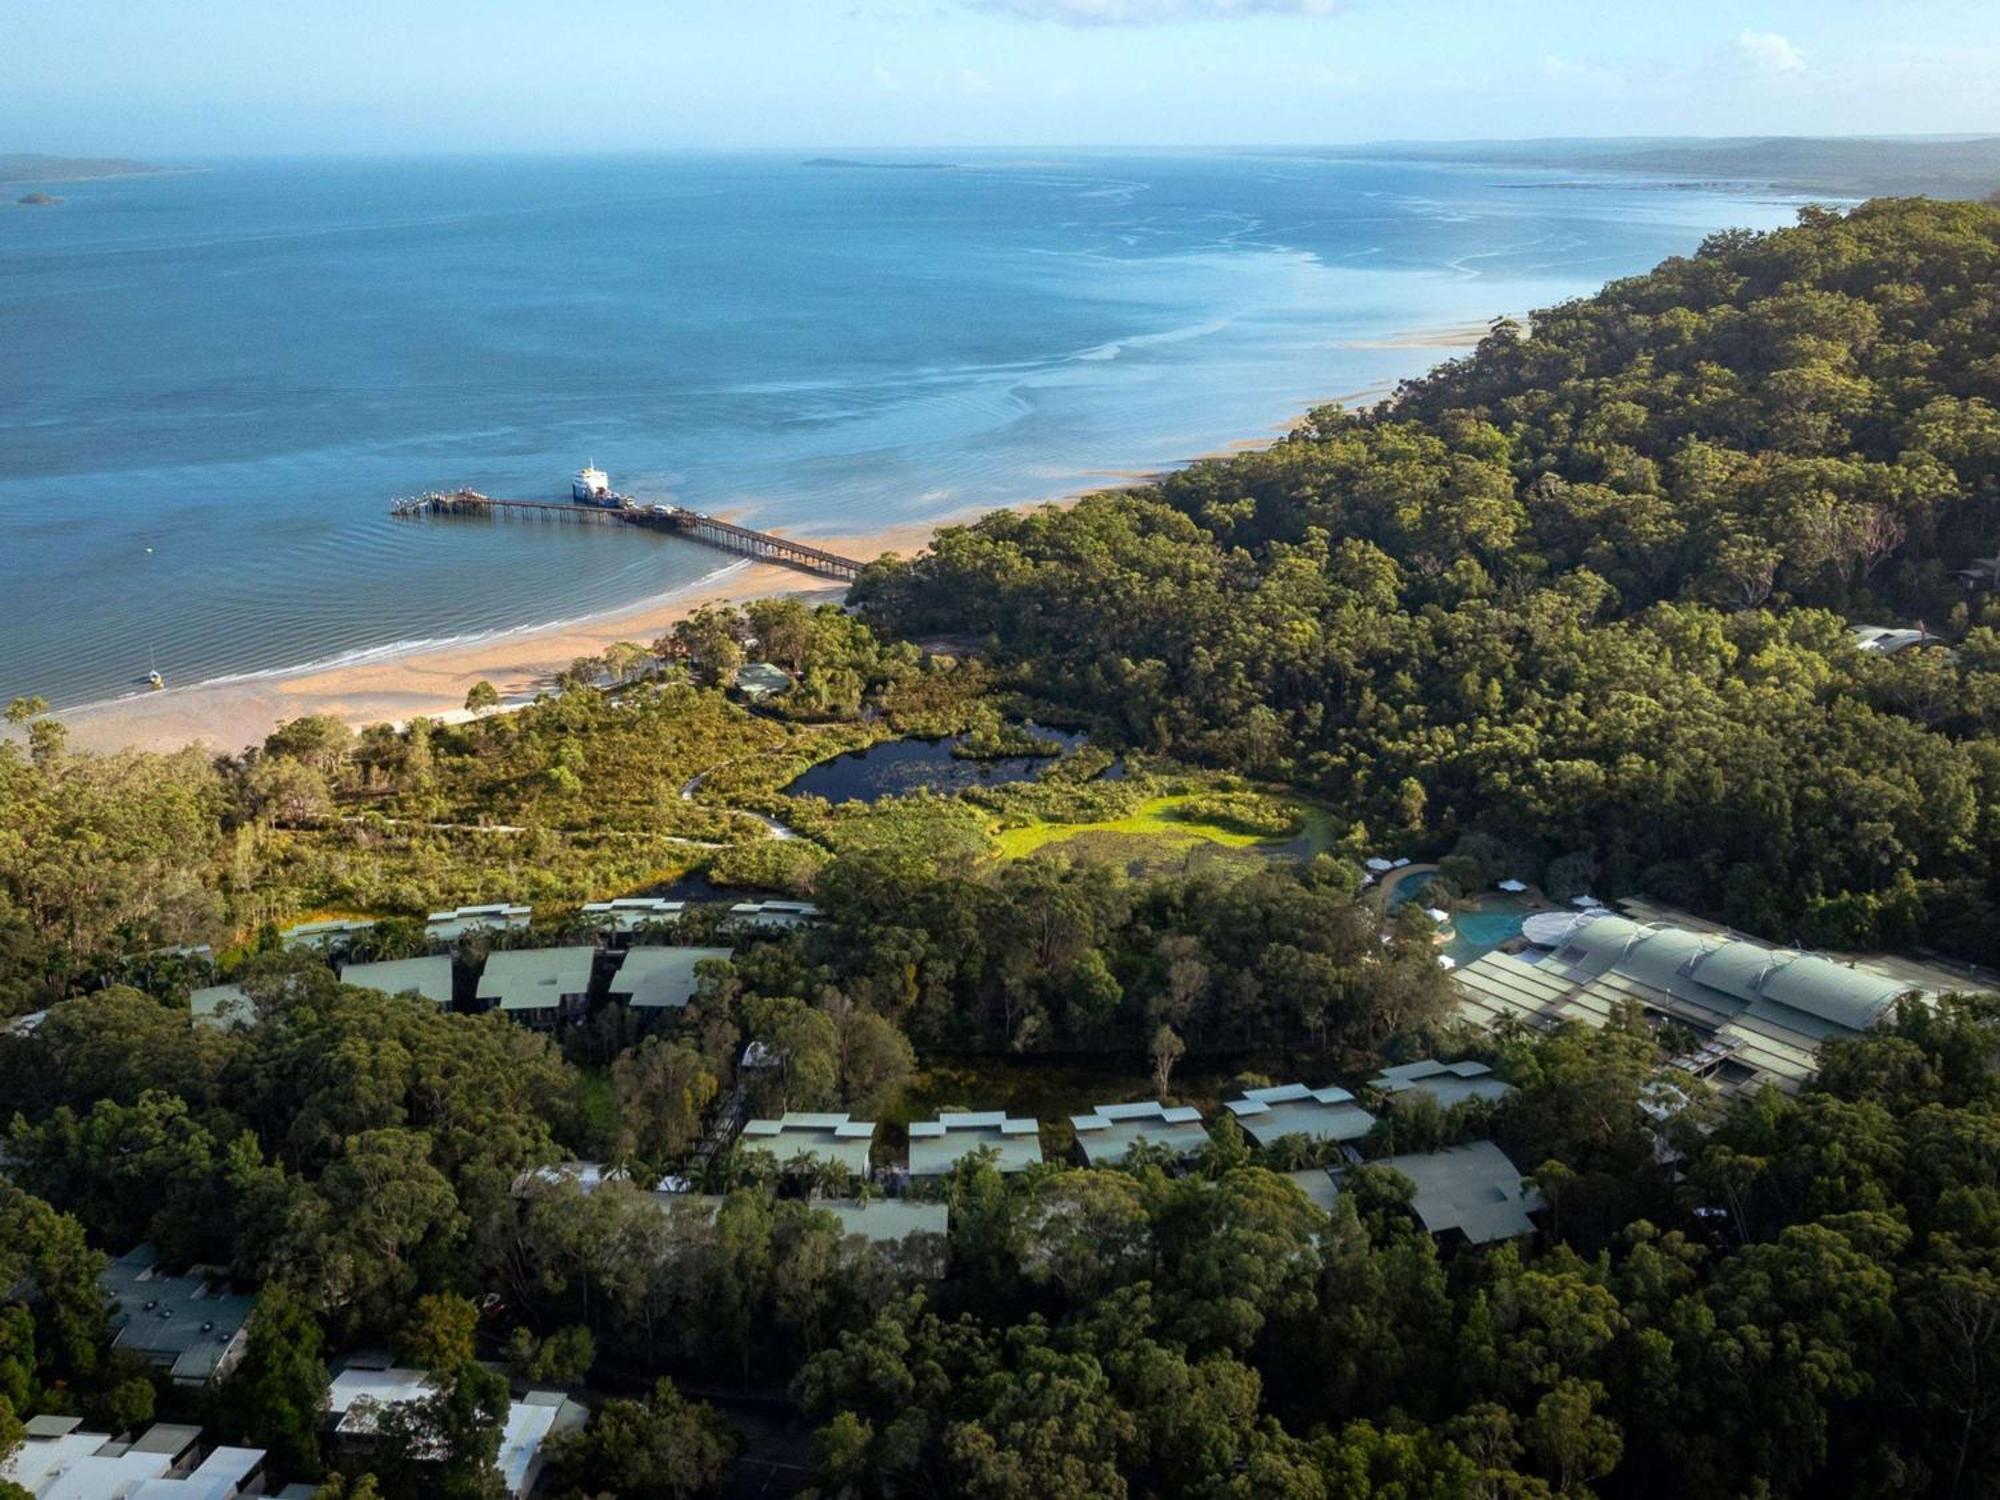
(1576, 609)
(1792, 1296)
(1587, 590)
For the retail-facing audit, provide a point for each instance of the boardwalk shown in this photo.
(764, 545)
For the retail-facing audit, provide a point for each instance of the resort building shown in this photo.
(186, 1325)
(786, 916)
(536, 986)
(661, 978)
(1473, 1190)
(57, 1460)
(586, 1176)
(1759, 1014)
(824, 1137)
(1887, 640)
(1445, 1083)
(222, 1005)
(1268, 1115)
(937, 1146)
(758, 681)
(360, 1392)
(325, 936)
(1109, 1132)
(499, 916)
(1317, 1184)
(630, 913)
(429, 978)
(905, 1222)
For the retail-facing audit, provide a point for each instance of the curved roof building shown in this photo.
(1761, 1012)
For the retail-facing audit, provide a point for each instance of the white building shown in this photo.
(629, 913)
(462, 921)
(359, 1393)
(57, 1460)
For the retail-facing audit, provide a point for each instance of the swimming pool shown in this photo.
(1492, 920)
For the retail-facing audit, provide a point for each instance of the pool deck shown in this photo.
(1385, 893)
(1385, 889)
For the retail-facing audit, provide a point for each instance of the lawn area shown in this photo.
(1162, 818)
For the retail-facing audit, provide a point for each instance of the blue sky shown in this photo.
(207, 77)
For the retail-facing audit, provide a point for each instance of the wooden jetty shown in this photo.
(764, 545)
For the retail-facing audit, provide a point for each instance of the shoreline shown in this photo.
(229, 714)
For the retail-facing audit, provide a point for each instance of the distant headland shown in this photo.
(882, 166)
(33, 166)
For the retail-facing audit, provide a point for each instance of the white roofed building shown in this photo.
(57, 1460)
(462, 921)
(1108, 1134)
(325, 936)
(629, 913)
(359, 1392)
(782, 916)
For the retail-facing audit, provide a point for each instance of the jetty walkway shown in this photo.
(764, 545)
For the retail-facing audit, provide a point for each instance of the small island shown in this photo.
(38, 200)
(34, 166)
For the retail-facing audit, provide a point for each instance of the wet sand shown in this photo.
(228, 716)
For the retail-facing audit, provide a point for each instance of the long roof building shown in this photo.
(825, 1137)
(937, 1146)
(1473, 1190)
(653, 978)
(1761, 1012)
(1109, 1133)
(1268, 1115)
(428, 977)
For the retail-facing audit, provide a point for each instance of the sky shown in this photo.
(192, 78)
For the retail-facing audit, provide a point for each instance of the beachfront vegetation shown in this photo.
(1572, 609)
(1586, 592)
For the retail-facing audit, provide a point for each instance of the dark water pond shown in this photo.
(897, 767)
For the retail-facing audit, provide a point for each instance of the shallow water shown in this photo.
(215, 381)
(896, 768)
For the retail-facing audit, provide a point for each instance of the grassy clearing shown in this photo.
(1161, 818)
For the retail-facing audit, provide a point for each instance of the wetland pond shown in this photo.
(896, 768)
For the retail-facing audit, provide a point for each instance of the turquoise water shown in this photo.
(1497, 919)
(215, 381)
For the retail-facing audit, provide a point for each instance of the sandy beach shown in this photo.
(228, 716)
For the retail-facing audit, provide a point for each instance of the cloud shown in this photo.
(1152, 12)
(1768, 52)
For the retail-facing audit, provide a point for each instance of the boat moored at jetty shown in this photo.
(592, 486)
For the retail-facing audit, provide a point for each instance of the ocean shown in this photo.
(215, 381)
